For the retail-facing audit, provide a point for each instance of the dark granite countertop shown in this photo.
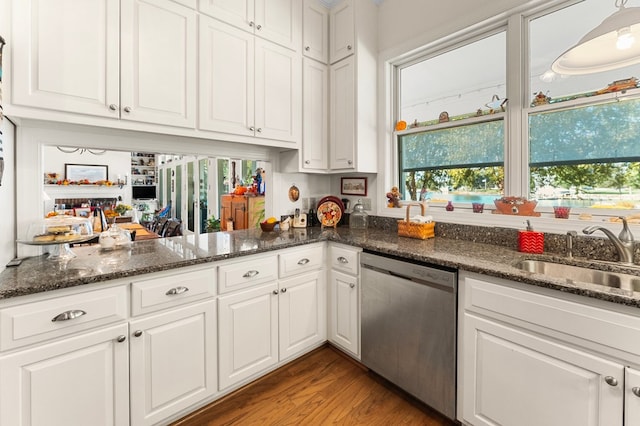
(92, 264)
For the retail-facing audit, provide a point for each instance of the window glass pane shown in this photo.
(553, 34)
(459, 82)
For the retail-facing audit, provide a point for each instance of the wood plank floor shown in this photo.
(323, 387)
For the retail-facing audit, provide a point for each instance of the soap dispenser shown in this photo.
(359, 219)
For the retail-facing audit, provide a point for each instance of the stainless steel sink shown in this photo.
(582, 274)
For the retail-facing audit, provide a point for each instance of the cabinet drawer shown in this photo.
(344, 259)
(300, 260)
(165, 290)
(35, 322)
(247, 272)
(532, 310)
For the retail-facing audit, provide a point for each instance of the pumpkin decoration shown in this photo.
(401, 125)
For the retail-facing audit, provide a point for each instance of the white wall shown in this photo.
(310, 186)
(8, 196)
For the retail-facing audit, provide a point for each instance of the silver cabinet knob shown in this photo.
(303, 261)
(307, 48)
(352, 285)
(177, 290)
(252, 128)
(258, 27)
(121, 338)
(611, 381)
(113, 107)
(636, 391)
(307, 162)
(284, 290)
(137, 333)
(68, 315)
(275, 291)
(250, 274)
(127, 109)
(251, 23)
(259, 130)
(343, 260)
(350, 162)
(349, 47)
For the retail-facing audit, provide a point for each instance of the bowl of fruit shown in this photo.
(269, 224)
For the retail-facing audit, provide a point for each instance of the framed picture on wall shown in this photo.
(90, 172)
(353, 186)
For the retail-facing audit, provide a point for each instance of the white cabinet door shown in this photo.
(341, 31)
(513, 377)
(66, 56)
(315, 111)
(279, 21)
(173, 361)
(278, 94)
(248, 333)
(342, 137)
(344, 316)
(303, 313)
(632, 397)
(226, 78)
(82, 380)
(238, 13)
(315, 31)
(158, 80)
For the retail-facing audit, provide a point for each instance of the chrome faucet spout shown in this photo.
(623, 243)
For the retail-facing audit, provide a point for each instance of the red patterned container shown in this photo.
(530, 242)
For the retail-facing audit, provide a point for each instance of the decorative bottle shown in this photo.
(359, 219)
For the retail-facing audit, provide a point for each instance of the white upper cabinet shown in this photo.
(278, 21)
(315, 31)
(342, 147)
(315, 112)
(248, 86)
(66, 56)
(342, 31)
(158, 70)
(73, 56)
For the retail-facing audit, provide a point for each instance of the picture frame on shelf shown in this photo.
(353, 186)
(89, 172)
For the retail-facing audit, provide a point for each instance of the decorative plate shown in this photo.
(329, 213)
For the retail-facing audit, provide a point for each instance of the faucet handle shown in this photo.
(625, 235)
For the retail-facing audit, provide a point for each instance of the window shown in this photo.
(583, 148)
(454, 149)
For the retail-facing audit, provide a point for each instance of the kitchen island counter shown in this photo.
(93, 265)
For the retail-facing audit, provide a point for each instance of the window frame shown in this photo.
(515, 23)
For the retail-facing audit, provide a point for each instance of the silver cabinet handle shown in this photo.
(177, 290)
(611, 381)
(259, 130)
(275, 291)
(352, 285)
(636, 391)
(284, 290)
(121, 338)
(137, 333)
(349, 47)
(343, 260)
(68, 315)
(252, 128)
(303, 261)
(250, 274)
(307, 162)
(127, 109)
(307, 48)
(350, 162)
(113, 107)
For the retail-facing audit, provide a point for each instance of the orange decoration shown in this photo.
(401, 125)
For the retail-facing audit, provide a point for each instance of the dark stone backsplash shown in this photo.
(589, 247)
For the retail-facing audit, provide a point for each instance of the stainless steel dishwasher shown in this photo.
(409, 328)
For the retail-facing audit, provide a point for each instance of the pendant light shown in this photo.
(615, 43)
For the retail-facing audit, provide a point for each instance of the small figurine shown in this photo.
(496, 103)
(443, 117)
(449, 207)
(415, 123)
(479, 112)
(393, 198)
(540, 99)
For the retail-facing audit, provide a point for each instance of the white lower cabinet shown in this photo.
(539, 358)
(173, 361)
(80, 380)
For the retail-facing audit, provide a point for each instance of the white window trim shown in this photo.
(516, 155)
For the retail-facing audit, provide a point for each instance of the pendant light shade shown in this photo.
(615, 43)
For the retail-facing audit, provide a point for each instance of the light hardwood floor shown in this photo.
(323, 387)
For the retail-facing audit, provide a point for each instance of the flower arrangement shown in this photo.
(121, 209)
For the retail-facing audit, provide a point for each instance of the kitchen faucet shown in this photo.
(623, 242)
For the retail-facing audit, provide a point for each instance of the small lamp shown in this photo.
(615, 43)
